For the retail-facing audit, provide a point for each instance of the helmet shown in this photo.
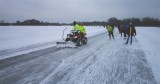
(74, 22)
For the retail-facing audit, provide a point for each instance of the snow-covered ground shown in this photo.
(148, 38)
(15, 40)
(101, 61)
(20, 36)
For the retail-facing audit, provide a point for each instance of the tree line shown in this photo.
(29, 22)
(146, 21)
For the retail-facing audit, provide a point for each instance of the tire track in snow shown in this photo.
(72, 63)
(34, 67)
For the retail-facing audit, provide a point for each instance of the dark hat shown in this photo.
(74, 22)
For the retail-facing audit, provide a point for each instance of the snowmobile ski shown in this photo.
(66, 45)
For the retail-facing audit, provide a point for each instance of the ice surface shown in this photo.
(102, 60)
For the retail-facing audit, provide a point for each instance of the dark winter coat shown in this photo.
(125, 27)
(131, 30)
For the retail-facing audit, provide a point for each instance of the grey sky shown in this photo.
(79, 10)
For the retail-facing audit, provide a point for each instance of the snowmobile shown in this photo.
(73, 40)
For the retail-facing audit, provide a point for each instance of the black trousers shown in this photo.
(129, 37)
(111, 34)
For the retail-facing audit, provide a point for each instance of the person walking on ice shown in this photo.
(131, 31)
(110, 29)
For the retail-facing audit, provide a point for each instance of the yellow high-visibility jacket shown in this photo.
(82, 29)
(76, 27)
(110, 28)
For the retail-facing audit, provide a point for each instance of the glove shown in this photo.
(135, 34)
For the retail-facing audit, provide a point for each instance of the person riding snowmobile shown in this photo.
(82, 32)
(76, 26)
(80, 28)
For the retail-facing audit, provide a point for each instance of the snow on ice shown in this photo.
(16, 40)
(101, 61)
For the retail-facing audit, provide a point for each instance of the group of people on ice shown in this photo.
(128, 30)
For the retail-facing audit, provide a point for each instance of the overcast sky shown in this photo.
(79, 10)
